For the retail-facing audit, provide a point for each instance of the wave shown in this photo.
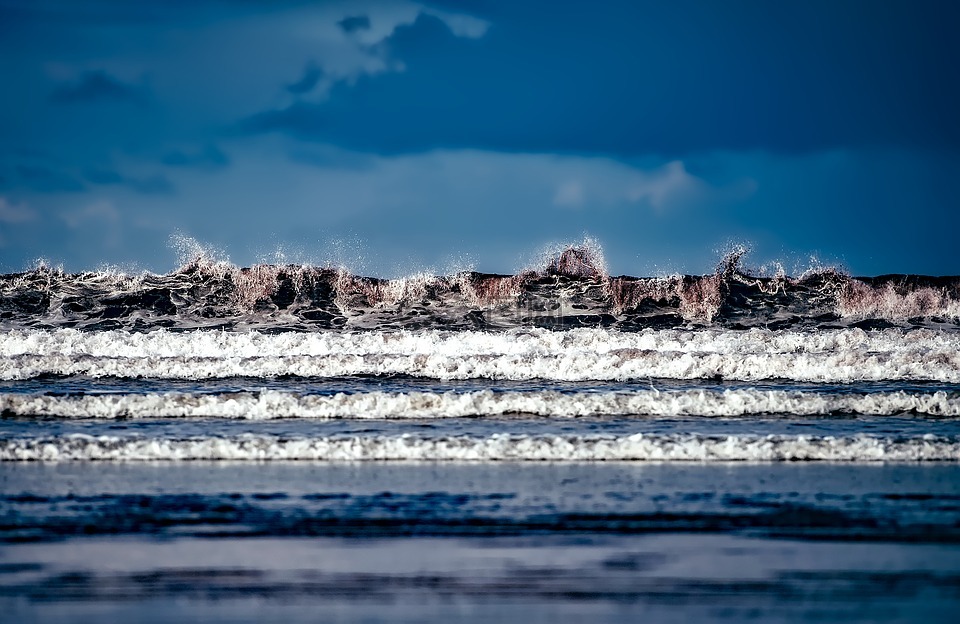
(498, 447)
(570, 289)
(272, 404)
(835, 356)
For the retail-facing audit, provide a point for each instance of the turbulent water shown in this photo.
(281, 402)
(571, 290)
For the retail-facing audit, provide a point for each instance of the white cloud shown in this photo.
(596, 182)
(662, 185)
(462, 25)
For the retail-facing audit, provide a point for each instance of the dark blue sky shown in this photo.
(398, 137)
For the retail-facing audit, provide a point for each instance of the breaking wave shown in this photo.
(273, 404)
(829, 356)
(498, 447)
(570, 289)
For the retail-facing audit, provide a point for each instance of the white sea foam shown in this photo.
(845, 355)
(500, 447)
(272, 404)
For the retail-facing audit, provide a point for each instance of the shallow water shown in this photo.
(373, 542)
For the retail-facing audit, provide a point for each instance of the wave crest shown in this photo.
(571, 288)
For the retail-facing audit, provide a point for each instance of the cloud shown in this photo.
(15, 213)
(97, 86)
(351, 24)
(103, 176)
(47, 179)
(152, 185)
(329, 157)
(100, 211)
(423, 204)
(662, 185)
(157, 184)
(642, 78)
(413, 211)
(209, 157)
(97, 224)
(460, 24)
(603, 182)
(311, 76)
(367, 47)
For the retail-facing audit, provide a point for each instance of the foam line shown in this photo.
(499, 447)
(272, 404)
(846, 355)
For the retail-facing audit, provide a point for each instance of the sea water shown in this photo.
(291, 443)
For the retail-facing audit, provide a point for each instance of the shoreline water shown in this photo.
(578, 431)
(776, 542)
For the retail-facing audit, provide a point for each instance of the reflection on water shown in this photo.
(427, 542)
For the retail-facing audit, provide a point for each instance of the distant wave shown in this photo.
(571, 289)
(841, 355)
(272, 404)
(498, 447)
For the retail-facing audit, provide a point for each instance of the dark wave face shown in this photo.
(572, 289)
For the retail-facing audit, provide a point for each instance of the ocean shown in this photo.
(297, 443)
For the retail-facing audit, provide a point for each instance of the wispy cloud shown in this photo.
(353, 23)
(152, 185)
(99, 222)
(98, 86)
(605, 182)
(308, 80)
(156, 184)
(100, 211)
(46, 179)
(208, 157)
(103, 176)
(660, 186)
(461, 24)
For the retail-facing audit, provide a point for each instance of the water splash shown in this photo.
(570, 288)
